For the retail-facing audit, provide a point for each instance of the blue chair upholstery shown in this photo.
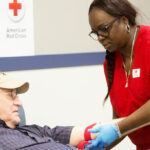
(22, 116)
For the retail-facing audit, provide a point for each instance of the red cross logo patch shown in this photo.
(136, 73)
(16, 9)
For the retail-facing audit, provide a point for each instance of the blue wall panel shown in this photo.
(50, 61)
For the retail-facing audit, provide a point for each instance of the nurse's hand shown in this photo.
(97, 148)
(108, 133)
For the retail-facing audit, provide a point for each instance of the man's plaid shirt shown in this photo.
(34, 137)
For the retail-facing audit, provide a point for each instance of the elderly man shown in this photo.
(33, 137)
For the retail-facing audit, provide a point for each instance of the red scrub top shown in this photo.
(126, 100)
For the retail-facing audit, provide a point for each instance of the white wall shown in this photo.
(61, 26)
(67, 96)
(142, 7)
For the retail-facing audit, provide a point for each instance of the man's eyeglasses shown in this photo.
(102, 32)
(13, 94)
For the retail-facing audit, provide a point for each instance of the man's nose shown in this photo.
(17, 101)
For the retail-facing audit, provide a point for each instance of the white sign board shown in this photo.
(16, 28)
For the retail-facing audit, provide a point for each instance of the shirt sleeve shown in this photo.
(59, 133)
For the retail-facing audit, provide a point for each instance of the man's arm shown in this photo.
(77, 133)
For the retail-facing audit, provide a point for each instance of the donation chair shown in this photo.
(22, 116)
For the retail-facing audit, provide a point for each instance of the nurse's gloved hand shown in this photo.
(83, 144)
(108, 133)
(96, 148)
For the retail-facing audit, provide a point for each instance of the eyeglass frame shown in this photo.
(11, 93)
(105, 30)
(14, 94)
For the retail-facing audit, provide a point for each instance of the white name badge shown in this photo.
(136, 73)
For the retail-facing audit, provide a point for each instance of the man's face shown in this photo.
(9, 103)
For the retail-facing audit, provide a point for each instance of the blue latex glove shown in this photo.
(95, 148)
(107, 135)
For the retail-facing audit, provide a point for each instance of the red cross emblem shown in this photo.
(136, 73)
(15, 6)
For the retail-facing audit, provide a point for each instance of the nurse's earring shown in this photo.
(127, 27)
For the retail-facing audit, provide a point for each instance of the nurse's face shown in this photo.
(110, 31)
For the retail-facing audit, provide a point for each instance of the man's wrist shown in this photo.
(87, 134)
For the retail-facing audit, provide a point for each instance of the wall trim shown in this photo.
(50, 61)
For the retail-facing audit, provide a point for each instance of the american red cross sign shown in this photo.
(15, 6)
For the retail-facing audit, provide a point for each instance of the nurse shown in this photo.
(127, 71)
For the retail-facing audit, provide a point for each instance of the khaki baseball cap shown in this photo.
(7, 82)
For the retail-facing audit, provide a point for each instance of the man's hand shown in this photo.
(107, 134)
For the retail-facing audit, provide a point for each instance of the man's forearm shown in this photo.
(136, 120)
(77, 133)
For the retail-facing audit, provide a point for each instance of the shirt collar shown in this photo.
(2, 123)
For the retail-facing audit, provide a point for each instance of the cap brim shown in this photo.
(21, 87)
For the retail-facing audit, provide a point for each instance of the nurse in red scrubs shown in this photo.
(127, 71)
